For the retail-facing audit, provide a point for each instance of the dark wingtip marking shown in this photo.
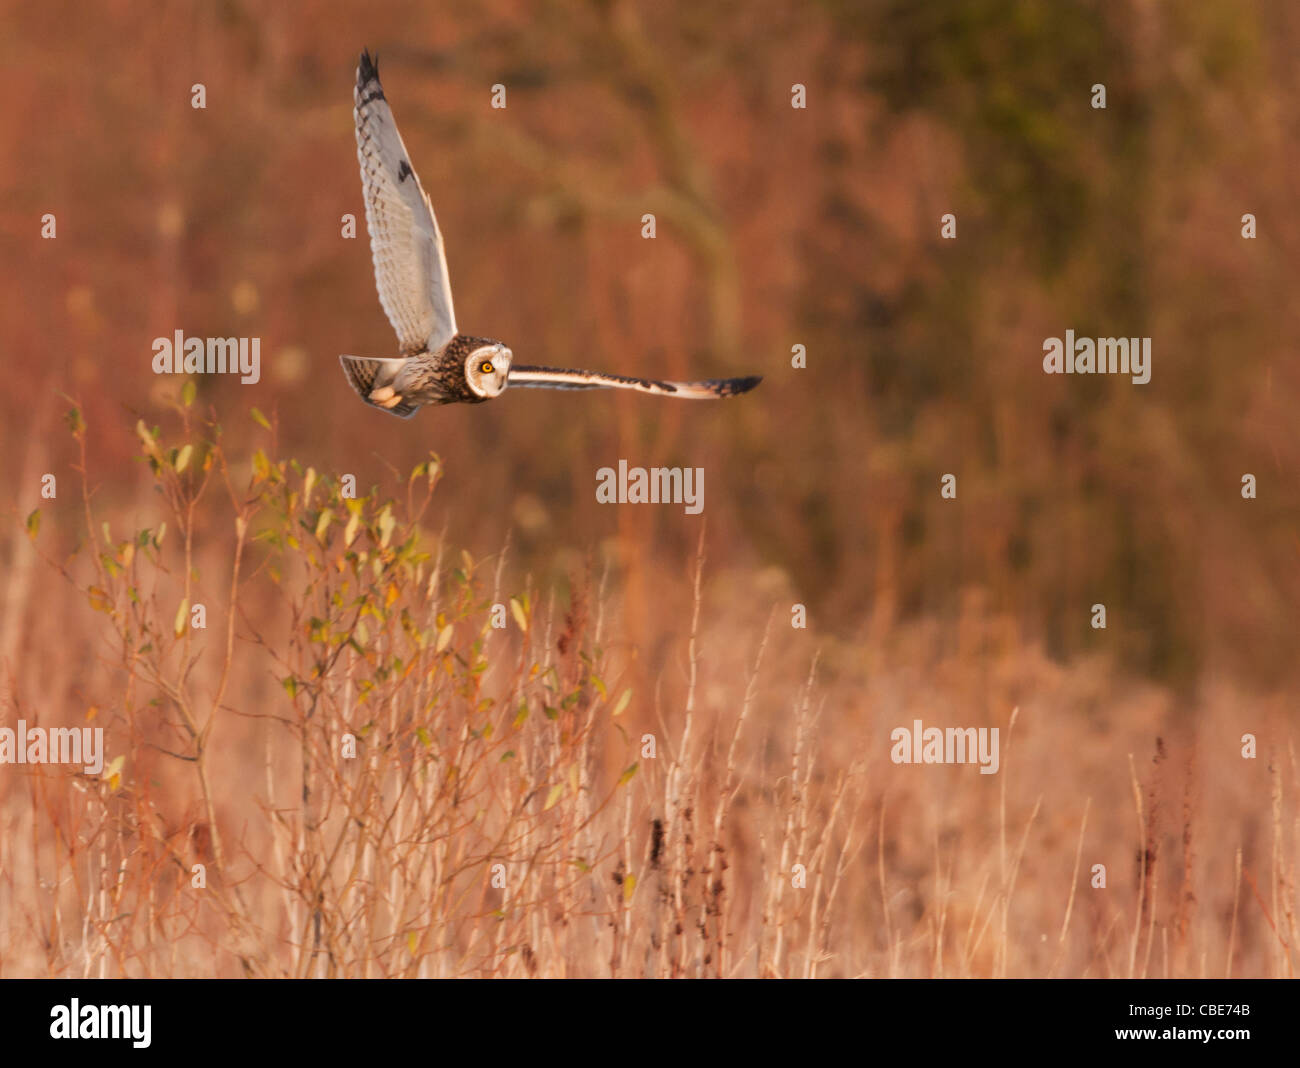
(403, 171)
(731, 387)
(367, 72)
(367, 68)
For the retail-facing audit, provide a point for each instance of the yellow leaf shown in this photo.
(444, 638)
(322, 524)
(556, 792)
(350, 531)
(627, 775)
(622, 703)
(309, 480)
(147, 440)
(629, 884)
(386, 525)
(517, 610)
(411, 942)
(391, 595)
(183, 458)
(178, 627)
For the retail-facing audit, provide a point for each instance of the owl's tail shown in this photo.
(368, 373)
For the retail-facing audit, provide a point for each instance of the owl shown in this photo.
(436, 363)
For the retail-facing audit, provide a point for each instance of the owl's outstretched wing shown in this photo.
(557, 378)
(405, 242)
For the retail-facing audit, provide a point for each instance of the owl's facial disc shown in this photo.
(487, 369)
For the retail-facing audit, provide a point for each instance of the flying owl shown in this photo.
(438, 364)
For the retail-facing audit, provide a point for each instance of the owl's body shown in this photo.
(406, 383)
(438, 364)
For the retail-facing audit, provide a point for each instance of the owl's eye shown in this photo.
(485, 368)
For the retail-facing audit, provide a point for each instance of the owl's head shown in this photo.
(487, 369)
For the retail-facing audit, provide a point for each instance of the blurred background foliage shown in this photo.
(776, 227)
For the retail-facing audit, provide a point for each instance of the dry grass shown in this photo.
(520, 804)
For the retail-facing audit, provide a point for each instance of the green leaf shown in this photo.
(290, 685)
(34, 523)
(187, 393)
(260, 418)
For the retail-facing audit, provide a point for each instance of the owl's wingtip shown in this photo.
(367, 69)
